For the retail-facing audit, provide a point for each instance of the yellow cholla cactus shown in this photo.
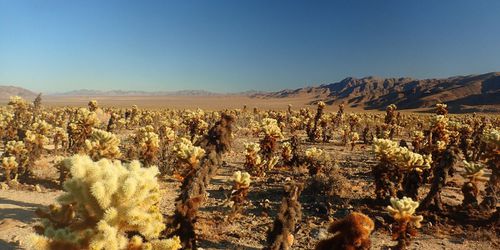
(87, 118)
(321, 104)
(242, 179)
(403, 210)
(439, 121)
(93, 105)
(271, 128)
(418, 135)
(18, 102)
(286, 153)
(390, 151)
(474, 171)
(16, 148)
(314, 152)
(102, 144)
(252, 148)
(354, 136)
(103, 201)
(9, 163)
(492, 138)
(186, 151)
(392, 107)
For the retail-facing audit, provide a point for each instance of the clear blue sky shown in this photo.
(226, 46)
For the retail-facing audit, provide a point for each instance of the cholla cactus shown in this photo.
(491, 139)
(102, 144)
(103, 202)
(402, 210)
(270, 128)
(188, 156)
(441, 109)
(80, 128)
(93, 105)
(280, 236)
(440, 133)
(147, 145)
(394, 162)
(60, 138)
(316, 159)
(15, 151)
(239, 192)
(390, 152)
(312, 131)
(253, 161)
(286, 152)
(36, 138)
(474, 172)
(354, 139)
(417, 140)
(9, 164)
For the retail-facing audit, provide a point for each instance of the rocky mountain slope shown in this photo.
(461, 93)
(7, 91)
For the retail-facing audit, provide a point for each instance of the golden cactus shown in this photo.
(102, 144)
(403, 210)
(104, 201)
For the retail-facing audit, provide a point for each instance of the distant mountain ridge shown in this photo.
(90, 92)
(461, 93)
(469, 93)
(7, 91)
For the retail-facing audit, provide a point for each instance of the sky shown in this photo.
(237, 45)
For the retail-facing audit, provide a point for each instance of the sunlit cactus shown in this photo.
(390, 152)
(403, 210)
(270, 128)
(474, 172)
(354, 138)
(316, 159)
(9, 164)
(417, 140)
(149, 145)
(103, 202)
(491, 157)
(102, 144)
(441, 109)
(239, 191)
(394, 163)
(253, 161)
(286, 152)
(80, 127)
(188, 156)
(60, 138)
(93, 105)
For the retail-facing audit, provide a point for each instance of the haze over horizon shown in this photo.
(231, 46)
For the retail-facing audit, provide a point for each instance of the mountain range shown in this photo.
(461, 93)
(469, 93)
